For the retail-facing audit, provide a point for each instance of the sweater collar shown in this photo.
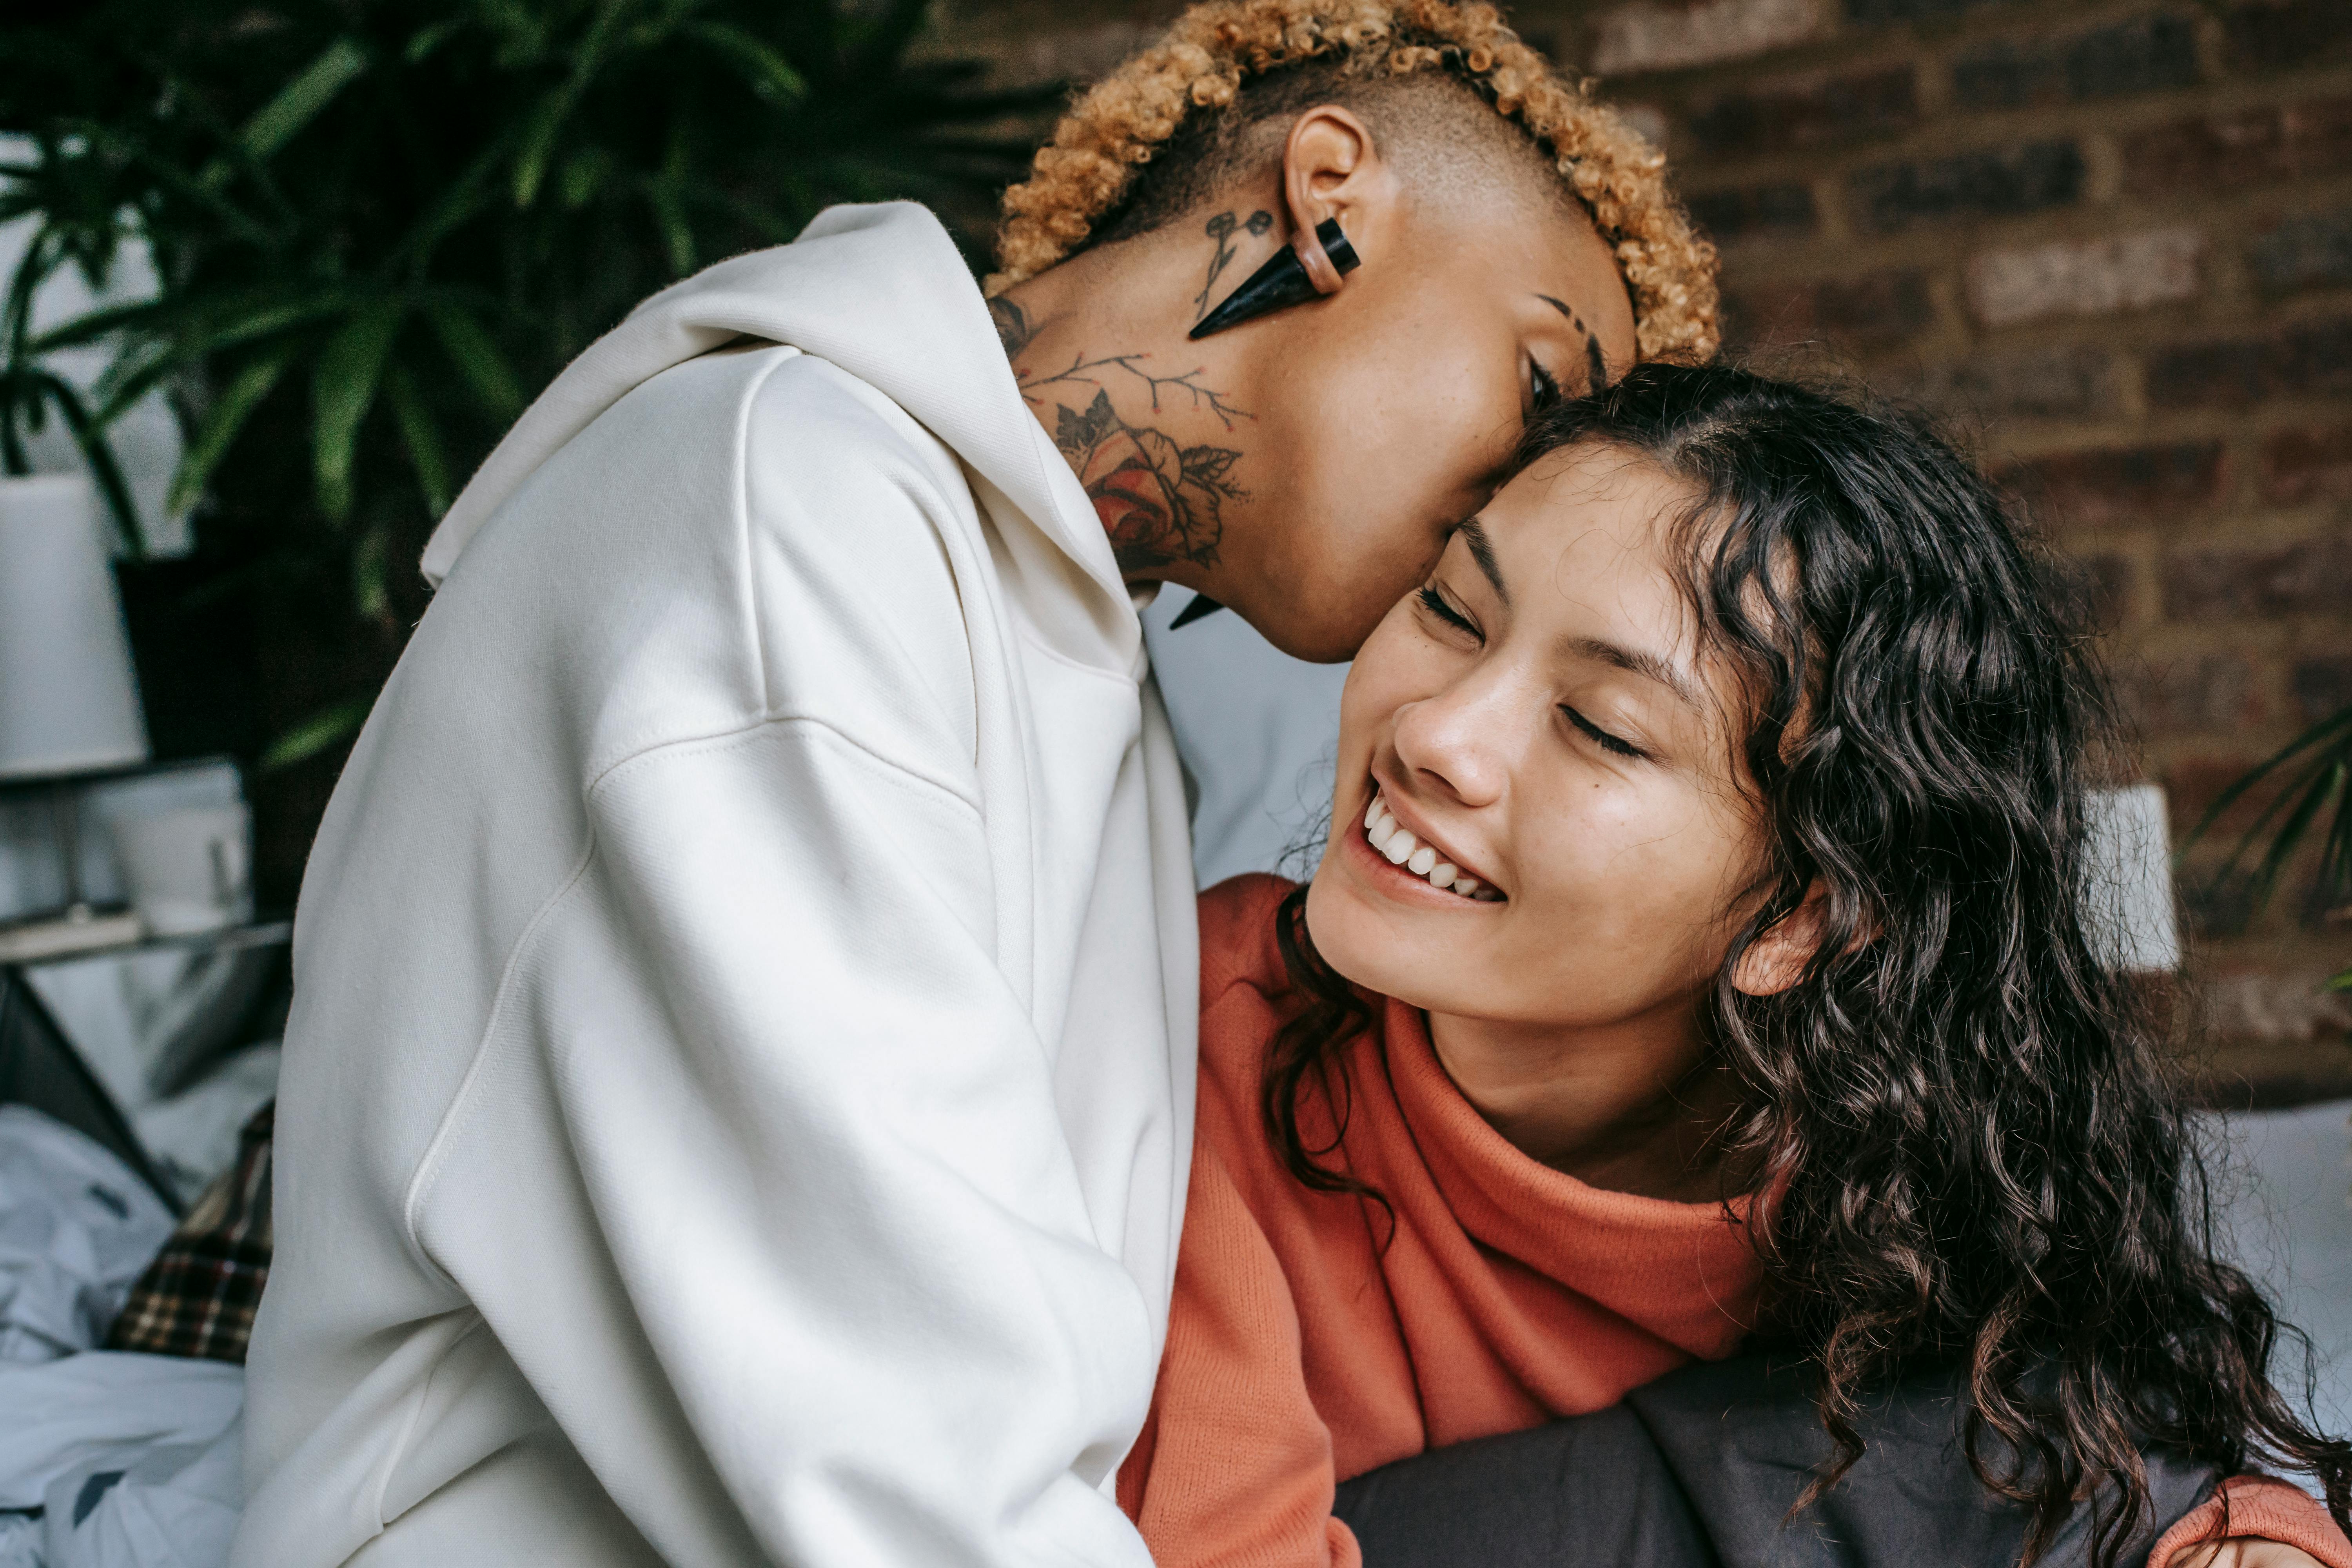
(1686, 1272)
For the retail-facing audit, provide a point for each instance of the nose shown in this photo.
(1457, 742)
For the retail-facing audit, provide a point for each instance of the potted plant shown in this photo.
(63, 196)
(379, 229)
(2312, 777)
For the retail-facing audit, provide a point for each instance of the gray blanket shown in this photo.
(1700, 1471)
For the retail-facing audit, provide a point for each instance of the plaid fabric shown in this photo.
(197, 1298)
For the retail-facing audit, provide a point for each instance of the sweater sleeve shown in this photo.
(1234, 1469)
(2260, 1508)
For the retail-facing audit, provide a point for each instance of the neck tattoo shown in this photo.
(1159, 500)
(1012, 328)
(1221, 229)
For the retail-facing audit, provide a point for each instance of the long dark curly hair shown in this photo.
(1964, 1150)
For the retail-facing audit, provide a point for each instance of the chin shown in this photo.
(1351, 595)
(1314, 635)
(1387, 953)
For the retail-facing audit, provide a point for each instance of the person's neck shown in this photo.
(1156, 427)
(1632, 1107)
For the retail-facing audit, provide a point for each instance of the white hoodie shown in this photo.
(740, 1086)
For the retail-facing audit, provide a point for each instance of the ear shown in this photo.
(1331, 168)
(1776, 960)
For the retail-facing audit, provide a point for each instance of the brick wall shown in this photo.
(2113, 239)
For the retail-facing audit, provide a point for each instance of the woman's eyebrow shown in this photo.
(1638, 661)
(1482, 551)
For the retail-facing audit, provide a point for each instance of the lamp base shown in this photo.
(80, 929)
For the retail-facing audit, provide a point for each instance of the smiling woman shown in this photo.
(1758, 737)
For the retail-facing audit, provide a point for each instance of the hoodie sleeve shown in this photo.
(813, 1278)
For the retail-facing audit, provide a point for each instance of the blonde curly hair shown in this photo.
(1088, 170)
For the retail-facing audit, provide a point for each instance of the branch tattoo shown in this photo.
(1221, 229)
(1160, 501)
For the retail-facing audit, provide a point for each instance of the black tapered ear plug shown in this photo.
(1282, 281)
(1201, 607)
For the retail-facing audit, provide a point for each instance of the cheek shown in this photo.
(1385, 676)
(1375, 466)
(1409, 426)
(1645, 877)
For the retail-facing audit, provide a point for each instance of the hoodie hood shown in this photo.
(879, 290)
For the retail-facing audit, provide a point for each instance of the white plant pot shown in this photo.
(68, 699)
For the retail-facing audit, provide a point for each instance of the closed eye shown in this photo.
(1607, 741)
(1435, 603)
(1543, 387)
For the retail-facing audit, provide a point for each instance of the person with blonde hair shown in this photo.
(739, 1097)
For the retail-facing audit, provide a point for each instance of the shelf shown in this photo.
(82, 778)
(231, 938)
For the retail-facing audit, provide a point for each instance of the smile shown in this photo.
(1401, 849)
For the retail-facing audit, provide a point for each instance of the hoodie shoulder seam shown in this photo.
(427, 1169)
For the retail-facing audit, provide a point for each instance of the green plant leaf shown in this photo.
(299, 101)
(477, 357)
(584, 173)
(2340, 982)
(2318, 767)
(422, 439)
(547, 118)
(219, 431)
(16, 403)
(539, 139)
(342, 390)
(2336, 728)
(135, 372)
(163, 345)
(425, 39)
(39, 262)
(321, 731)
(371, 589)
(203, 190)
(465, 198)
(769, 73)
(89, 438)
(91, 325)
(198, 325)
(879, 42)
(2311, 796)
(669, 217)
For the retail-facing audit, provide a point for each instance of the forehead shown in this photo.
(1594, 514)
(1589, 543)
(1594, 544)
(1516, 241)
(1528, 245)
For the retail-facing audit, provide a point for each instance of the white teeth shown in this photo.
(1402, 848)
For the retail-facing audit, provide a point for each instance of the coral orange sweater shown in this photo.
(1300, 1353)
